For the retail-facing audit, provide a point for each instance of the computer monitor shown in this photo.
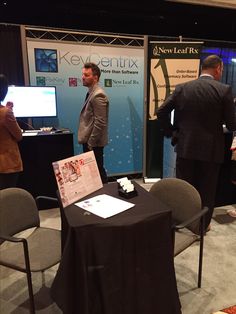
(32, 101)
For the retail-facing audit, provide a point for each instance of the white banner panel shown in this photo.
(171, 63)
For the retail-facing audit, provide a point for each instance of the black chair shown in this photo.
(187, 214)
(39, 250)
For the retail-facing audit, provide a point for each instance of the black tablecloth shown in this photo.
(119, 265)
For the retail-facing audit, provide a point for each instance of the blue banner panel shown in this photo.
(60, 64)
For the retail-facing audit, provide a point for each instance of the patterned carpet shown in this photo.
(229, 310)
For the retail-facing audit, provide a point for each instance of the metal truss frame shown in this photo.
(82, 37)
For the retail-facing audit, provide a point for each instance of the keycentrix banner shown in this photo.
(60, 64)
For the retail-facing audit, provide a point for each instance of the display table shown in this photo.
(122, 264)
(38, 152)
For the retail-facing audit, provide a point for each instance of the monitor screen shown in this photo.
(32, 101)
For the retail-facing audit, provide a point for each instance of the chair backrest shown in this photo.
(181, 197)
(18, 211)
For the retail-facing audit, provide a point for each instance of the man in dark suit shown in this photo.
(201, 107)
(93, 121)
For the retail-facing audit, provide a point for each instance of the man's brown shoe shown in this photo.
(208, 228)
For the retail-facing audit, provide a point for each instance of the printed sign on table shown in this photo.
(76, 177)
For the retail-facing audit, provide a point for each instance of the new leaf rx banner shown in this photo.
(170, 63)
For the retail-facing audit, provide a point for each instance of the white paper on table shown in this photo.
(104, 205)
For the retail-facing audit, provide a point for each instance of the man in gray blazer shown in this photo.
(93, 121)
(201, 107)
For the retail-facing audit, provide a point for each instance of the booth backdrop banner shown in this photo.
(60, 64)
(170, 63)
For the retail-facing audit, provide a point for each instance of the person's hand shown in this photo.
(9, 105)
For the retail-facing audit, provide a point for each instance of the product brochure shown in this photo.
(77, 177)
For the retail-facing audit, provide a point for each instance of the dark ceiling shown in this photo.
(125, 17)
